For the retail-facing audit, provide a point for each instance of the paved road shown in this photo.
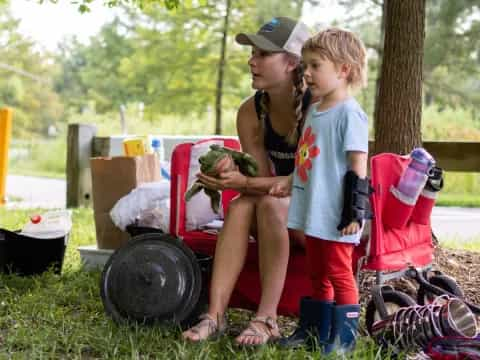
(456, 223)
(29, 192)
(447, 222)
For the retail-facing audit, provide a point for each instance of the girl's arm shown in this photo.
(251, 139)
(282, 188)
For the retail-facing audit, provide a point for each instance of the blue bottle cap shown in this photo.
(156, 143)
(422, 155)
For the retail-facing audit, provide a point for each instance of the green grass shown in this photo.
(45, 158)
(61, 316)
(462, 200)
(161, 124)
(470, 244)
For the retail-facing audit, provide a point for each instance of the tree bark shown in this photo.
(221, 70)
(380, 60)
(399, 102)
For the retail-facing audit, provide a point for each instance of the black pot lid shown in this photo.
(155, 277)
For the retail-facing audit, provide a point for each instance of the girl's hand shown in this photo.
(351, 229)
(282, 188)
(225, 164)
(227, 180)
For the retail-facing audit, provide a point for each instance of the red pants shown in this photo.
(330, 268)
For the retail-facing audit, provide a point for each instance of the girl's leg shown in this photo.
(230, 253)
(274, 248)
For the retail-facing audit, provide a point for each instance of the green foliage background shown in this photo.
(160, 65)
(161, 58)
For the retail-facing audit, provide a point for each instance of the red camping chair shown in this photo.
(247, 290)
(389, 249)
(395, 252)
(390, 252)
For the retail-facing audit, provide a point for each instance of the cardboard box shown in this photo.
(113, 178)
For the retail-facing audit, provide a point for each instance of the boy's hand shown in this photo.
(282, 188)
(351, 228)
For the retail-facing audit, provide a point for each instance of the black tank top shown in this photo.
(280, 152)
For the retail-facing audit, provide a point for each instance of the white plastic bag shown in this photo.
(157, 217)
(144, 197)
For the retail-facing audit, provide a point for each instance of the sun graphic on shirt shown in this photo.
(306, 151)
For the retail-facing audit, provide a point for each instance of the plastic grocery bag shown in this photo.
(145, 197)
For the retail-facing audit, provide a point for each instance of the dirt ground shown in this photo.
(462, 265)
(459, 264)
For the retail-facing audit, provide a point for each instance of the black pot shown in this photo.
(24, 255)
(153, 278)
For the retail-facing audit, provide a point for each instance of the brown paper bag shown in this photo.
(113, 178)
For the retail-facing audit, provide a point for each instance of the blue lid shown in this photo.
(422, 155)
(156, 143)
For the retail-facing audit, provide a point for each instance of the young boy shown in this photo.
(329, 189)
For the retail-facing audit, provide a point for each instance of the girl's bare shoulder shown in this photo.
(247, 108)
(247, 114)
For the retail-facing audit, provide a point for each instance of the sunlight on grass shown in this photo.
(471, 244)
(46, 158)
(462, 200)
(61, 316)
(161, 124)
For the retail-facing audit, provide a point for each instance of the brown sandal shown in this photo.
(263, 328)
(213, 330)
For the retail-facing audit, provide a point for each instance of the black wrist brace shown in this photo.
(356, 203)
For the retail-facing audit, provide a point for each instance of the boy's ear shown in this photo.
(344, 70)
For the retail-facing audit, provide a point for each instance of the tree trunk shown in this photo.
(221, 69)
(380, 60)
(399, 108)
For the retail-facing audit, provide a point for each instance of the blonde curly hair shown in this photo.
(341, 47)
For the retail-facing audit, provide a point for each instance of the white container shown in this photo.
(94, 258)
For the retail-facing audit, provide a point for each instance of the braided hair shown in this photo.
(264, 105)
(292, 136)
(296, 130)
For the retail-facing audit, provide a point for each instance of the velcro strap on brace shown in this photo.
(356, 203)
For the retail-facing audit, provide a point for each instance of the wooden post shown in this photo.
(5, 134)
(79, 151)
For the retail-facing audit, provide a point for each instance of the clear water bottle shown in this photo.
(157, 148)
(416, 174)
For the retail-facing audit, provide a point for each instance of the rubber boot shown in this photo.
(344, 328)
(313, 326)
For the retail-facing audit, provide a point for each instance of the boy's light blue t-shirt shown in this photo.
(320, 166)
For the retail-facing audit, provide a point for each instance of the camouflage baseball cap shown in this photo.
(281, 34)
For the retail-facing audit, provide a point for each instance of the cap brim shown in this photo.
(258, 41)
